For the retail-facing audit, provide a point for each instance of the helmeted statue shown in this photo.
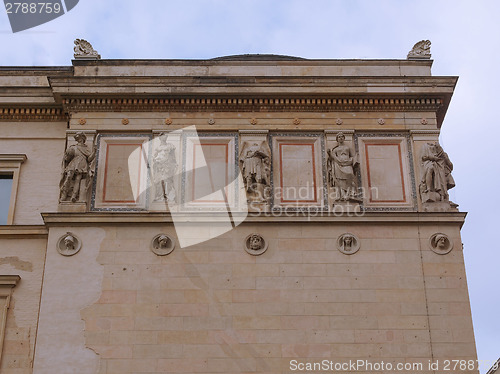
(78, 170)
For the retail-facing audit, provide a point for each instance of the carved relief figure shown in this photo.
(83, 49)
(255, 242)
(163, 242)
(342, 164)
(347, 242)
(255, 165)
(441, 242)
(69, 242)
(164, 168)
(422, 49)
(436, 174)
(78, 170)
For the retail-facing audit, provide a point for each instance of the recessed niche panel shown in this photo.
(122, 172)
(297, 171)
(385, 172)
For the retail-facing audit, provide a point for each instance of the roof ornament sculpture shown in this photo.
(84, 50)
(421, 50)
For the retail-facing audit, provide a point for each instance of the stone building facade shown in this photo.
(245, 214)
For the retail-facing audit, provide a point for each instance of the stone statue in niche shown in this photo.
(342, 167)
(78, 170)
(255, 165)
(164, 168)
(436, 174)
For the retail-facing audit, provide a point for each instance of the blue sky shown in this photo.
(465, 39)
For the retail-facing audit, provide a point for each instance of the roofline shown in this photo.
(243, 61)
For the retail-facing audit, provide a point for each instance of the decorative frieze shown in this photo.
(33, 114)
(340, 171)
(428, 104)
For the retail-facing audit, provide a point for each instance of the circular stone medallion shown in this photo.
(162, 244)
(68, 244)
(440, 243)
(255, 244)
(348, 243)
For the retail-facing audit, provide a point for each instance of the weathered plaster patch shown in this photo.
(17, 263)
(70, 285)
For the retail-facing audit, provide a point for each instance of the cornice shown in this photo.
(253, 132)
(148, 218)
(424, 132)
(9, 281)
(219, 85)
(23, 231)
(13, 157)
(241, 60)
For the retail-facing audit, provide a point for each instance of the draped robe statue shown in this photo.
(255, 160)
(164, 168)
(436, 174)
(342, 163)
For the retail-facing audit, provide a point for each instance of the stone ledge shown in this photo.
(9, 280)
(26, 231)
(117, 218)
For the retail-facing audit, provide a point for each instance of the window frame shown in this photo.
(11, 164)
(7, 283)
